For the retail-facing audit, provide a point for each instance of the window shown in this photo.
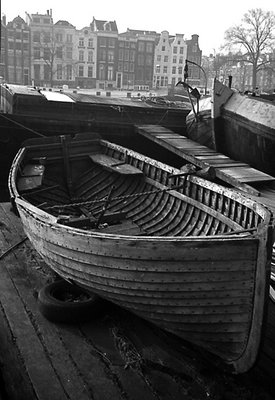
(59, 37)
(36, 72)
(81, 55)
(181, 60)
(149, 60)
(101, 71)
(162, 48)
(173, 70)
(165, 69)
(126, 67)
(157, 69)
(141, 46)
(69, 70)
(174, 60)
(46, 72)
(159, 58)
(69, 38)
(175, 50)
(81, 70)
(165, 58)
(102, 42)
(181, 50)
(120, 66)
(47, 54)
(149, 47)
(81, 42)
(140, 59)
(180, 70)
(131, 67)
(59, 52)
(90, 71)
(132, 55)
(102, 55)
(47, 37)
(126, 55)
(91, 42)
(36, 37)
(18, 35)
(59, 72)
(112, 42)
(110, 73)
(111, 56)
(25, 35)
(26, 76)
(90, 56)
(46, 21)
(69, 53)
(36, 52)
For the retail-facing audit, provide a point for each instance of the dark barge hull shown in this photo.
(241, 127)
(27, 113)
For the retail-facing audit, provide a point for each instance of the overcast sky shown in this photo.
(209, 19)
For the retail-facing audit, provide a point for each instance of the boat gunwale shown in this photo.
(231, 194)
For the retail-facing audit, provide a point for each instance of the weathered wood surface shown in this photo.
(41, 360)
(236, 173)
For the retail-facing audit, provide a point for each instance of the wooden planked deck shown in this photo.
(235, 173)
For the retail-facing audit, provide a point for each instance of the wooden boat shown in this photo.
(239, 126)
(180, 251)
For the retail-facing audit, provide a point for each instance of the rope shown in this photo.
(22, 126)
(90, 202)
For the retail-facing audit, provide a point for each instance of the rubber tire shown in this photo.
(56, 310)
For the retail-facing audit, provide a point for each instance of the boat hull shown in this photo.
(207, 284)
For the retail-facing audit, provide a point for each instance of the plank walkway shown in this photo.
(236, 173)
(40, 360)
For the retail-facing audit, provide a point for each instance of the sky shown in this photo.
(209, 19)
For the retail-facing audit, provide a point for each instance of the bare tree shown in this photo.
(255, 36)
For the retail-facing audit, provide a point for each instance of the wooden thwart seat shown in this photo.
(114, 165)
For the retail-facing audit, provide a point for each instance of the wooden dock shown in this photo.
(40, 360)
(235, 173)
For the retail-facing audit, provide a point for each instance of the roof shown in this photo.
(102, 25)
(64, 23)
